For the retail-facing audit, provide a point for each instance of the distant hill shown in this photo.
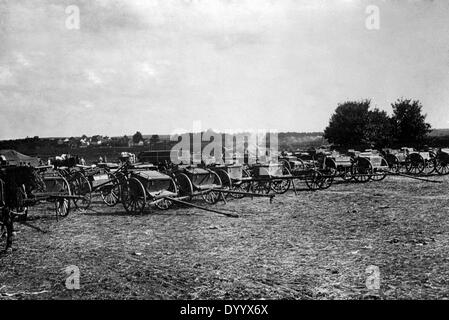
(439, 133)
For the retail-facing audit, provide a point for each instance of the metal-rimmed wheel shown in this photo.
(415, 164)
(327, 179)
(134, 197)
(313, 179)
(80, 186)
(362, 170)
(62, 205)
(442, 166)
(429, 166)
(380, 174)
(110, 193)
(185, 186)
(281, 186)
(165, 204)
(226, 181)
(346, 174)
(213, 196)
(261, 186)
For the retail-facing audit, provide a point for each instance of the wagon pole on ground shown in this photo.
(228, 214)
(411, 177)
(251, 194)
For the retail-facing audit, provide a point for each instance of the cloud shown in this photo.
(93, 77)
(157, 65)
(22, 60)
(6, 76)
(86, 104)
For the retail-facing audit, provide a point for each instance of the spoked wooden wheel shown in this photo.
(226, 181)
(442, 167)
(80, 186)
(110, 193)
(429, 166)
(380, 174)
(240, 186)
(134, 197)
(362, 170)
(281, 186)
(185, 186)
(165, 204)
(345, 173)
(313, 180)
(415, 164)
(261, 186)
(213, 196)
(327, 179)
(62, 205)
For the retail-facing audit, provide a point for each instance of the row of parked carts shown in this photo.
(138, 186)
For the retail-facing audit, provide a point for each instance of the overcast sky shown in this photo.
(157, 66)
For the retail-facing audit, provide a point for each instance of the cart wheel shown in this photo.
(212, 197)
(327, 179)
(80, 186)
(62, 206)
(133, 197)
(261, 186)
(415, 164)
(110, 193)
(442, 167)
(226, 181)
(313, 180)
(239, 186)
(281, 186)
(362, 170)
(429, 166)
(185, 186)
(165, 204)
(380, 174)
(346, 174)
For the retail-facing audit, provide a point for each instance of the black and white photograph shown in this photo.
(224, 150)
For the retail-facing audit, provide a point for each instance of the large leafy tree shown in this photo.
(348, 123)
(379, 130)
(354, 125)
(137, 137)
(409, 123)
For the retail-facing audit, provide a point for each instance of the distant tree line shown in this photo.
(355, 124)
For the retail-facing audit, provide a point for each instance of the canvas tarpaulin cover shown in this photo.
(16, 158)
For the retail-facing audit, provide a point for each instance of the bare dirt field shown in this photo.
(316, 245)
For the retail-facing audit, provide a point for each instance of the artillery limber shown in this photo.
(410, 161)
(397, 159)
(52, 187)
(306, 168)
(233, 178)
(238, 181)
(145, 187)
(420, 163)
(369, 166)
(338, 165)
(69, 167)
